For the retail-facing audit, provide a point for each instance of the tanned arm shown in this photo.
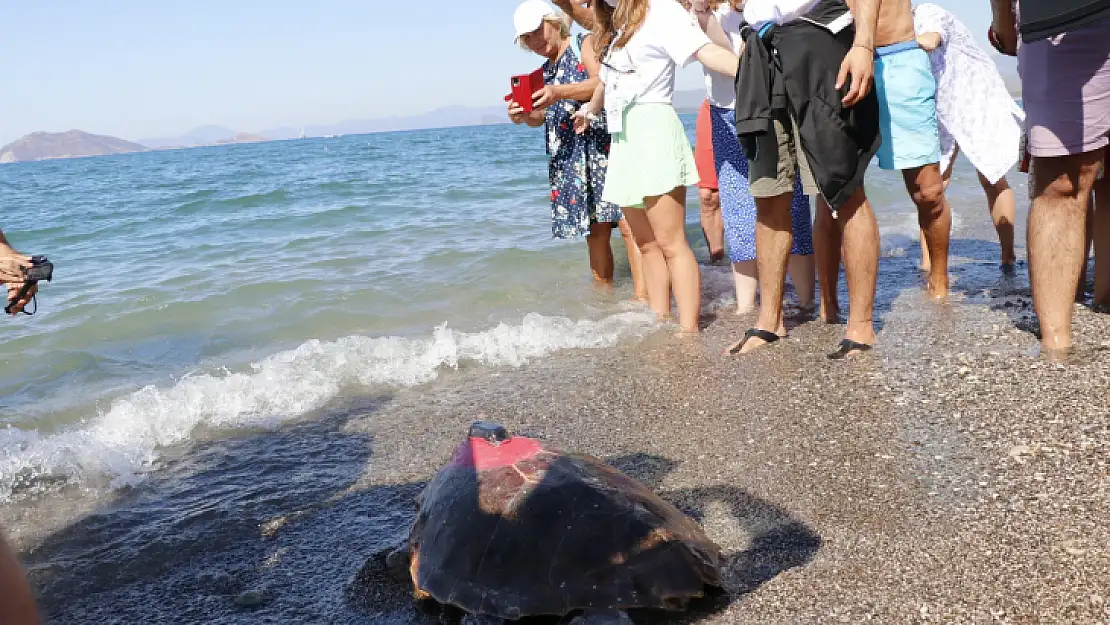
(1004, 26)
(859, 63)
(718, 59)
(577, 91)
(712, 28)
(596, 103)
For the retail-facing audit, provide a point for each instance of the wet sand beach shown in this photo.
(951, 475)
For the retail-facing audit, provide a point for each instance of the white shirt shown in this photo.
(669, 37)
(720, 89)
(974, 107)
(760, 12)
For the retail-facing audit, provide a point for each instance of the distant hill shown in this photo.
(243, 137)
(205, 135)
(39, 146)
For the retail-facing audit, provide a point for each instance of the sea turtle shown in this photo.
(513, 527)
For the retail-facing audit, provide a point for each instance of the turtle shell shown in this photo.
(517, 528)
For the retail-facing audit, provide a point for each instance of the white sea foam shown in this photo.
(122, 442)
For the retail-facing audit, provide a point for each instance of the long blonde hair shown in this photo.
(628, 17)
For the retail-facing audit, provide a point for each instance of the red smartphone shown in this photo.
(523, 86)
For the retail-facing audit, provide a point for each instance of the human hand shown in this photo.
(12, 264)
(929, 41)
(582, 118)
(1003, 38)
(860, 64)
(545, 97)
(13, 290)
(699, 6)
(516, 113)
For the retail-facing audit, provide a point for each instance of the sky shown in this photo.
(139, 69)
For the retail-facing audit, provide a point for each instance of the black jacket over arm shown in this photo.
(793, 68)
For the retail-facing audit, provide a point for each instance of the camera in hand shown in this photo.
(41, 269)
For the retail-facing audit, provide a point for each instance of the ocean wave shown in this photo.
(123, 441)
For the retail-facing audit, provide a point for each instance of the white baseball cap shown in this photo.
(530, 15)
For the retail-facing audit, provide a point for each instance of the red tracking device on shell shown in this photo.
(523, 86)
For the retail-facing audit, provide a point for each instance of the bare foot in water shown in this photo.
(938, 289)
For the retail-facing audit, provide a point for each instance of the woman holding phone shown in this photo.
(577, 162)
(642, 43)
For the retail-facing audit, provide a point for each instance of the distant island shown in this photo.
(39, 146)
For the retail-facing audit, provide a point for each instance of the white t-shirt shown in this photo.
(721, 89)
(645, 68)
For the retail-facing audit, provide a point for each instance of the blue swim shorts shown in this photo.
(907, 107)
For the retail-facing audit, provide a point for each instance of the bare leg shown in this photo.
(926, 187)
(826, 245)
(601, 252)
(667, 217)
(947, 178)
(1002, 204)
(860, 248)
(712, 224)
(773, 240)
(802, 270)
(746, 276)
(656, 277)
(1088, 234)
(1102, 242)
(1061, 190)
(635, 261)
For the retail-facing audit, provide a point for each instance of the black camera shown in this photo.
(41, 269)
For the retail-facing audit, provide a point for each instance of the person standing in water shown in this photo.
(577, 163)
(911, 136)
(975, 113)
(1065, 78)
(709, 190)
(721, 20)
(798, 53)
(651, 162)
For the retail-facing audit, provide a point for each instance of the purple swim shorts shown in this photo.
(1066, 91)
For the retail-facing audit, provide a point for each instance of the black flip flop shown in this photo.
(766, 336)
(847, 346)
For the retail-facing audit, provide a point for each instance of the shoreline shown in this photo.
(949, 475)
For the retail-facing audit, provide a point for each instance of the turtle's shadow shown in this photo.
(777, 541)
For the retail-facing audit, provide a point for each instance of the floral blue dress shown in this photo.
(577, 163)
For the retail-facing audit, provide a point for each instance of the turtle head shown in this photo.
(491, 432)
